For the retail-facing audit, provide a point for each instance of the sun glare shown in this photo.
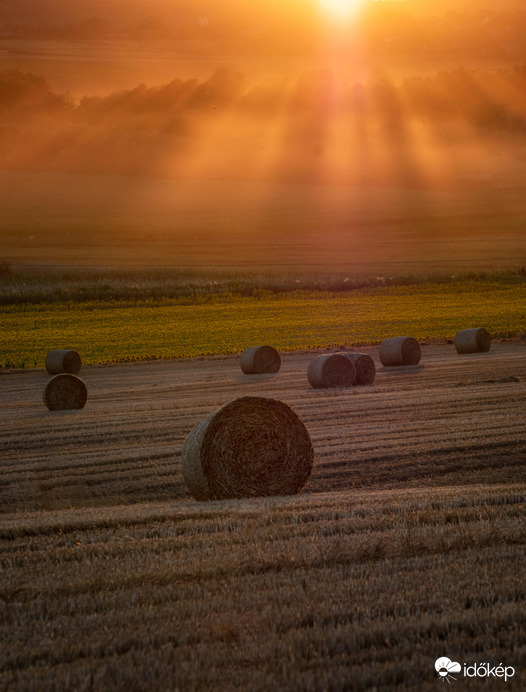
(340, 8)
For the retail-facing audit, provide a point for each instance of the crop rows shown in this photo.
(407, 543)
(357, 589)
(454, 420)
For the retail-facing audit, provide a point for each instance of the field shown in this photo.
(408, 542)
(397, 552)
(119, 221)
(173, 226)
(112, 330)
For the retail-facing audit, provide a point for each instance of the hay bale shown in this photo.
(331, 370)
(257, 360)
(364, 366)
(472, 341)
(251, 447)
(400, 350)
(63, 360)
(64, 392)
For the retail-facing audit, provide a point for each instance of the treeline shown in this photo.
(159, 129)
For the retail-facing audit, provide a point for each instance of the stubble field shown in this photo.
(407, 543)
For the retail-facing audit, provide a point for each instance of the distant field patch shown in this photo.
(117, 331)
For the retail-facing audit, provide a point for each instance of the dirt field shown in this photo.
(407, 543)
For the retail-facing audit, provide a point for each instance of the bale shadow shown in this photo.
(401, 369)
(250, 379)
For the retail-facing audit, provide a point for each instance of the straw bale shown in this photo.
(63, 360)
(400, 350)
(364, 366)
(472, 341)
(331, 370)
(64, 392)
(251, 447)
(257, 360)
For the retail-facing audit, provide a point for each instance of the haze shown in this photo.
(412, 95)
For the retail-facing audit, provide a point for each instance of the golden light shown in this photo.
(340, 8)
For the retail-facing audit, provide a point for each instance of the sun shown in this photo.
(340, 8)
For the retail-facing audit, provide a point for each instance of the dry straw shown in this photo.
(472, 341)
(64, 392)
(251, 447)
(400, 350)
(364, 366)
(63, 360)
(331, 370)
(257, 360)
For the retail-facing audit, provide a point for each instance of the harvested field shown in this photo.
(451, 420)
(407, 543)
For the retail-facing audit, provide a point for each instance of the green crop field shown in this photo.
(109, 331)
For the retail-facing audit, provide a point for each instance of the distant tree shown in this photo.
(22, 88)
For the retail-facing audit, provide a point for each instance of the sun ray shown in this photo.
(340, 9)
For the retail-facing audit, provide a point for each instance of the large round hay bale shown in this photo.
(400, 350)
(64, 392)
(364, 366)
(331, 370)
(63, 360)
(251, 447)
(472, 341)
(257, 360)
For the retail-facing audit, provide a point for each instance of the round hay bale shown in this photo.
(364, 366)
(400, 350)
(472, 341)
(331, 370)
(59, 360)
(251, 447)
(64, 392)
(257, 360)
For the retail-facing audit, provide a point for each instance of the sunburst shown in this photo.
(340, 8)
